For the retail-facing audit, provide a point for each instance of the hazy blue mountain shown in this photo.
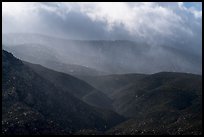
(119, 56)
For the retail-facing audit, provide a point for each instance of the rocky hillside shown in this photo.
(34, 105)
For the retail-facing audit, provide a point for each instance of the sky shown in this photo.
(161, 23)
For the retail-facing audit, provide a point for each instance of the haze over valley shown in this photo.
(102, 68)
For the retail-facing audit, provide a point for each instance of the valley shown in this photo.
(53, 102)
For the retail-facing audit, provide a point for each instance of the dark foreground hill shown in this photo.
(37, 100)
(161, 103)
(34, 105)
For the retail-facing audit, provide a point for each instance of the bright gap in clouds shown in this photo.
(18, 8)
(196, 5)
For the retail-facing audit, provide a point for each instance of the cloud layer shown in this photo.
(156, 23)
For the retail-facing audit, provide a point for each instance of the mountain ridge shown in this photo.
(120, 56)
(69, 114)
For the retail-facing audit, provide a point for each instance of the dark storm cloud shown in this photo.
(74, 26)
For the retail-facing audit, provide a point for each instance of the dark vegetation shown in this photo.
(29, 100)
(38, 100)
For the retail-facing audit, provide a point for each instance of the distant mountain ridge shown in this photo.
(99, 87)
(112, 57)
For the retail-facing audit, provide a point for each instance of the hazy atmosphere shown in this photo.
(102, 68)
(153, 22)
(155, 25)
